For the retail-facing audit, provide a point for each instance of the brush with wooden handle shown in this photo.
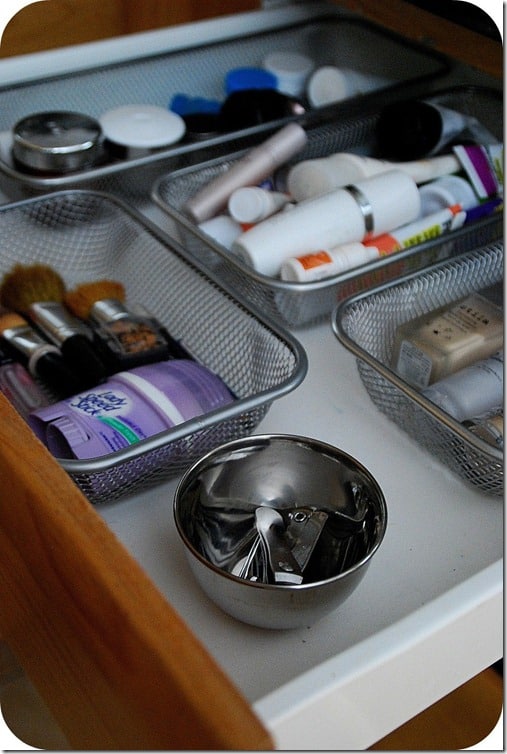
(42, 359)
(129, 339)
(37, 292)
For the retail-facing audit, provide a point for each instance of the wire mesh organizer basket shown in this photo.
(198, 70)
(301, 303)
(366, 324)
(89, 236)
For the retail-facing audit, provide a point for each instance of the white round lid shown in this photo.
(326, 85)
(144, 126)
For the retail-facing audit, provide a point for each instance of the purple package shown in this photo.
(129, 407)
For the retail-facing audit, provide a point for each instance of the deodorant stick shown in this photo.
(353, 213)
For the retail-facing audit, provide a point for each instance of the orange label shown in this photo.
(385, 243)
(314, 260)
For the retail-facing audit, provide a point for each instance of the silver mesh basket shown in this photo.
(198, 69)
(88, 236)
(296, 303)
(366, 324)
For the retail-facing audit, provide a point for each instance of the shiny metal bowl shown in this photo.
(279, 529)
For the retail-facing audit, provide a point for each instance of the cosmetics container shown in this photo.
(238, 79)
(331, 84)
(251, 204)
(57, 142)
(348, 214)
(257, 165)
(479, 169)
(489, 429)
(223, 229)
(443, 341)
(413, 129)
(131, 406)
(323, 264)
(36, 291)
(126, 337)
(484, 210)
(424, 229)
(347, 256)
(137, 130)
(246, 108)
(74, 339)
(472, 391)
(201, 126)
(290, 71)
(446, 192)
(19, 387)
(318, 176)
(42, 359)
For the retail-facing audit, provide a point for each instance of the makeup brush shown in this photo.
(128, 338)
(42, 359)
(36, 291)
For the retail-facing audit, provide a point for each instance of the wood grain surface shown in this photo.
(114, 663)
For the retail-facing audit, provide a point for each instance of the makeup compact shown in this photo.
(56, 142)
(136, 130)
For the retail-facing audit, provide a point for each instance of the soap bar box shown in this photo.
(88, 236)
(300, 303)
(369, 323)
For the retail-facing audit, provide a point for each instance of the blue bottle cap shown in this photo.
(249, 78)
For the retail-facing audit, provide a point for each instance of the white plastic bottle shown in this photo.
(323, 264)
(318, 176)
(367, 208)
(472, 391)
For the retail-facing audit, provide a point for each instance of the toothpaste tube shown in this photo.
(324, 263)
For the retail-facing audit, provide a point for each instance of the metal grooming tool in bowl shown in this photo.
(279, 529)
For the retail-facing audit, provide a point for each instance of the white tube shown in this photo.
(344, 257)
(471, 392)
(251, 204)
(426, 229)
(318, 176)
(367, 208)
(445, 192)
(324, 264)
(257, 165)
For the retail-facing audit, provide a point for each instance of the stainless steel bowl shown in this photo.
(279, 529)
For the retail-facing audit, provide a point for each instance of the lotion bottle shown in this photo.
(471, 392)
(310, 178)
(360, 210)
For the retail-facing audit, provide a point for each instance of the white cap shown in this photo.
(251, 204)
(142, 126)
(291, 70)
(223, 229)
(445, 192)
(331, 84)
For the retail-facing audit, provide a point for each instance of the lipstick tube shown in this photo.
(257, 165)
